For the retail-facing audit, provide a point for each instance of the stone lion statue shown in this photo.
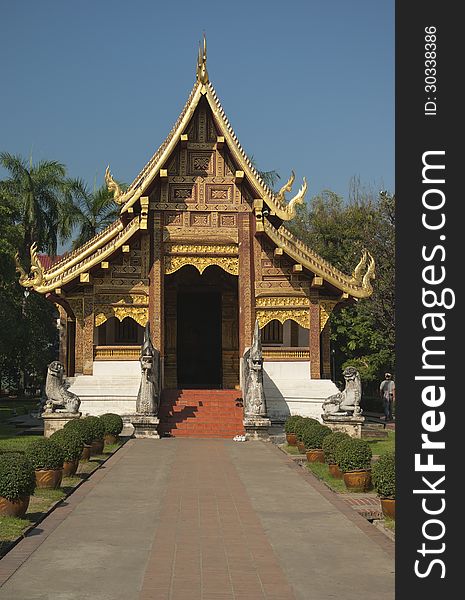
(347, 401)
(59, 398)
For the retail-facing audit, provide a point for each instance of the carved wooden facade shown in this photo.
(198, 204)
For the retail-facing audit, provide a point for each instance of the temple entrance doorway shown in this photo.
(199, 340)
(201, 329)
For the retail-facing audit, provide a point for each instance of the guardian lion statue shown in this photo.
(59, 398)
(348, 401)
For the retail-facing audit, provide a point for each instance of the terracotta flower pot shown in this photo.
(85, 453)
(316, 455)
(110, 439)
(358, 481)
(49, 478)
(70, 467)
(301, 447)
(335, 471)
(96, 447)
(291, 439)
(14, 508)
(388, 506)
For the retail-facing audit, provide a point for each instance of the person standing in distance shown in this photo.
(387, 390)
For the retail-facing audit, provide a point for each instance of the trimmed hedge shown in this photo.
(303, 425)
(96, 427)
(70, 442)
(112, 423)
(353, 454)
(384, 475)
(45, 454)
(82, 428)
(17, 478)
(291, 422)
(331, 442)
(313, 436)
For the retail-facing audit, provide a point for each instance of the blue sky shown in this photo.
(307, 85)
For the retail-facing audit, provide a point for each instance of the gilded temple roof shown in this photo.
(47, 276)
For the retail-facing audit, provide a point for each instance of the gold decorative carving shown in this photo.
(357, 285)
(326, 308)
(121, 299)
(282, 301)
(201, 249)
(201, 71)
(287, 187)
(116, 352)
(289, 354)
(140, 314)
(36, 274)
(300, 316)
(230, 264)
(113, 186)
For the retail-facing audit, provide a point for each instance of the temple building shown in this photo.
(200, 251)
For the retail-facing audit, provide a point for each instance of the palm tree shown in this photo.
(93, 212)
(43, 198)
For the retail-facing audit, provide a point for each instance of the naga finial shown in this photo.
(36, 275)
(113, 186)
(288, 210)
(286, 188)
(363, 274)
(201, 71)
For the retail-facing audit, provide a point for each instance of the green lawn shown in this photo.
(385, 445)
(321, 470)
(290, 449)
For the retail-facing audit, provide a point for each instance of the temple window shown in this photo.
(126, 331)
(272, 333)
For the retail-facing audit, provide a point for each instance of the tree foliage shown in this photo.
(362, 334)
(38, 203)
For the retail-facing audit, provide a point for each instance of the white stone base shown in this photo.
(57, 420)
(112, 388)
(345, 423)
(256, 428)
(289, 390)
(145, 426)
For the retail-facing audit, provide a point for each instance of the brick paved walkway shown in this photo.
(181, 519)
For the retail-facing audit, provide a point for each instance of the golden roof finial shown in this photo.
(201, 71)
(113, 186)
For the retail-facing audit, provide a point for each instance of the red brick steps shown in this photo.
(201, 413)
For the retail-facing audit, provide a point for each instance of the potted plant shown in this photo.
(72, 445)
(113, 425)
(312, 438)
(329, 445)
(85, 432)
(354, 459)
(47, 458)
(98, 431)
(300, 427)
(17, 483)
(384, 482)
(289, 429)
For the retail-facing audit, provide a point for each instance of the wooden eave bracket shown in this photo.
(239, 177)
